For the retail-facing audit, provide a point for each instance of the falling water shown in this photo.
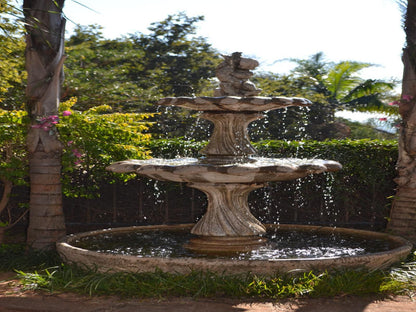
(328, 197)
(303, 122)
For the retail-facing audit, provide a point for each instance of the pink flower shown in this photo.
(394, 103)
(69, 143)
(407, 97)
(383, 119)
(76, 153)
(66, 113)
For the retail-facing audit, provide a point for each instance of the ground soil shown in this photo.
(14, 298)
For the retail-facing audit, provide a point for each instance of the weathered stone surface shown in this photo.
(234, 73)
(230, 136)
(192, 170)
(234, 103)
(228, 172)
(227, 213)
(104, 262)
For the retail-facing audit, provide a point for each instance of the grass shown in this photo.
(44, 270)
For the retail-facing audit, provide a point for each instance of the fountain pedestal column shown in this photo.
(228, 223)
(229, 142)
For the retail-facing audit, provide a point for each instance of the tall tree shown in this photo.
(340, 83)
(98, 72)
(403, 212)
(175, 59)
(45, 27)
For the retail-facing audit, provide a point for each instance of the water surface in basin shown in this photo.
(280, 245)
(254, 162)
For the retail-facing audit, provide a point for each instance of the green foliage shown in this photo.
(341, 84)
(13, 163)
(92, 140)
(98, 72)
(95, 138)
(131, 73)
(13, 160)
(330, 86)
(349, 282)
(12, 71)
(19, 257)
(367, 130)
(44, 270)
(177, 147)
(174, 59)
(362, 160)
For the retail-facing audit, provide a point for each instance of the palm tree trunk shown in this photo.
(403, 212)
(45, 27)
(46, 221)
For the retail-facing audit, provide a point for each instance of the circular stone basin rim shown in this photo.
(105, 262)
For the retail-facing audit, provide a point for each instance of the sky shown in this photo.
(271, 31)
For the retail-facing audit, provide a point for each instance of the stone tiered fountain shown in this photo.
(227, 173)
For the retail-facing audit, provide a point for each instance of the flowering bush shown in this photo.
(95, 138)
(13, 160)
(91, 141)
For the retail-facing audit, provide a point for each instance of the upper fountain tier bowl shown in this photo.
(231, 115)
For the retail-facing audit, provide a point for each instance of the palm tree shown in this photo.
(403, 212)
(340, 83)
(45, 27)
(336, 86)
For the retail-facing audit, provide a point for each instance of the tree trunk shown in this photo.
(403, 212)
(45, 27)
(7, 190)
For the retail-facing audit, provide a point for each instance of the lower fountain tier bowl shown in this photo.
(258, 170)
(164, 247)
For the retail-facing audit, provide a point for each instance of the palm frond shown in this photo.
(343, 76)
(370, 103)
(368, 87)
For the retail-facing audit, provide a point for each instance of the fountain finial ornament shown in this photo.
(234, 73)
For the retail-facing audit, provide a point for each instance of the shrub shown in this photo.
(95, 138)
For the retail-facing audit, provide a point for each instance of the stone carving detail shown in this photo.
(234, 74)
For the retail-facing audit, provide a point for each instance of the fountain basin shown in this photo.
(398, 249)
(259, 170)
